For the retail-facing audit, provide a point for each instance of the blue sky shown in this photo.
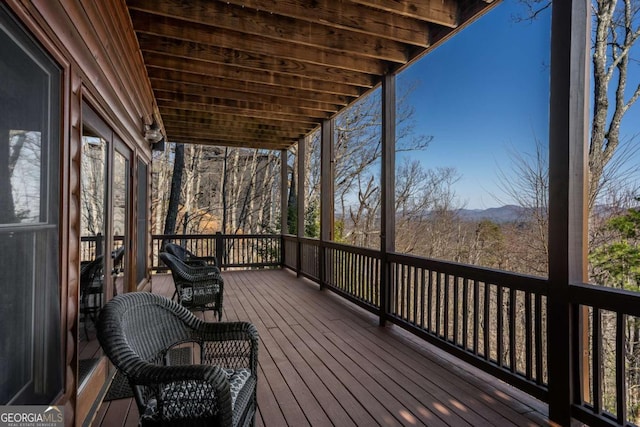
(483, 93)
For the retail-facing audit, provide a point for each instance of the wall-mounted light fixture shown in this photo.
(152, 132)
(153, 135)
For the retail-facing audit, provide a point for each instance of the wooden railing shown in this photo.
(91, 246)
(229, 251)
(608, 359)
(495, 320)
(492, 319)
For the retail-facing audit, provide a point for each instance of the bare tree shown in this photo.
(616, 30)
(176, 187)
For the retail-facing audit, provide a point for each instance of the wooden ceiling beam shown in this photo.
(238, 111)
(156, 25)
(222, 141)
(193, 89)
(228, 17)
(214, 103)
(441, 12)
(282, 130)
(177, 113)
(347, 16)
(251, 60)
(236, 134)
(177, 120)
(243, 75)
(294, 94)
(248, 126)
(245, 136)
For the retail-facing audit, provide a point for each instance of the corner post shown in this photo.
(302, 155)
(387, 178)
(219, 249)
(568, 138)
(326, 194)
(283, 202)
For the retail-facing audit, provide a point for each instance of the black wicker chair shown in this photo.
(91, 291)
(187, 256)
(137, 330)
(197, 287)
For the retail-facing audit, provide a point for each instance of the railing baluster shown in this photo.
(401, 296)
(456, 309)
(513, 304)
(538, 340)
(445, 314)
(465, 313)
(528, 343)
(438, 295)
(406, 277)
(430, 301)
(423, 304)
(487, 321)
(621, 389)
(597, 360)
(476, 316)
(500, 326)
(415, 296)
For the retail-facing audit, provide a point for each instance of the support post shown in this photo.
(568, 136)
(387, 178)
(326, 193)
(284, 180)
(219, 249)
(302, 155)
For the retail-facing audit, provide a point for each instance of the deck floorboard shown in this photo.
(326, 362)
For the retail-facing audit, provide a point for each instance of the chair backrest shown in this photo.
(184, 255)
(177, 251)
(175, 264)
(140, 327)
(90, 271)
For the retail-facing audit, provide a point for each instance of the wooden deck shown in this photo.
(326, 362)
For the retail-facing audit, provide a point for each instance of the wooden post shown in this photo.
(387, 178)
(219, 249)
(326, 192)
(284, 180)
(302, 154)
(568, 136)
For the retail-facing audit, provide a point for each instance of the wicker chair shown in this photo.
(197, 287)
(188, 257)
(137, 330)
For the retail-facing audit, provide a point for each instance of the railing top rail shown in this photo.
(488, 275)
(213, 236)
(373, 253)
(606, 298)
(310, 241)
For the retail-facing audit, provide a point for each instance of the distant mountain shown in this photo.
(508, 213)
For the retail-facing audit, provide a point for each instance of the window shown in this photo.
(30, 348)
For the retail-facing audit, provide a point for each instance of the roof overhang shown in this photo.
(265, 73)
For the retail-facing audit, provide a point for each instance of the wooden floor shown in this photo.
(325, 362)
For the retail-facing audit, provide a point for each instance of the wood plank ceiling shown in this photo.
(264, 73)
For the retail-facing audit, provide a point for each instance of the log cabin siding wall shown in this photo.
(95, 46)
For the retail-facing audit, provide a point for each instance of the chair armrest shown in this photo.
(174, 393)
(229, 344)
(198, 273)
(194, 262)
(150, 374)
(225, 331)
